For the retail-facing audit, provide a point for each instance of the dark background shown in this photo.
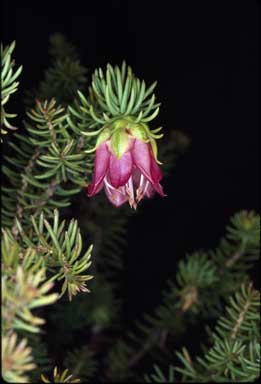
(204, 56)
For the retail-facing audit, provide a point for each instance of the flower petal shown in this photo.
(155, 170)
(136, 175)
(156, 174)
(149, 190)
(120, 169)
(101, 165)
(141, 158)
(158, 188)
(116, 196)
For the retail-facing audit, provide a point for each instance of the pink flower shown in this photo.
(129, 178)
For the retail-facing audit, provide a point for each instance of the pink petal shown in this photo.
(155, 170)
(101, 165)
(141, 158)
(158, 188)
(120, 169)
(156, 174)
(116, 196)
(149, 191)
(136, 174)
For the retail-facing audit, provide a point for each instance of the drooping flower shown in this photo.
(126, 164)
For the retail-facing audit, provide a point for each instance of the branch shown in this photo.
(19, 207)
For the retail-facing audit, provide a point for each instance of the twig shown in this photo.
(19, 208)
(240, 319)
(48, 194)
(234, 258)
(149, 343)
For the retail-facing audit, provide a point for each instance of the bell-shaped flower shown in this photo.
(126, 167)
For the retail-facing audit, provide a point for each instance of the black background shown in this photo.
(204, 56)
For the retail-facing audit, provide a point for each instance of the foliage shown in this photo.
(16, 359)
(118, 359)
(9, 83)
(60, 377)
(40, 353)
(159, 377)
(101, 308)
(25, 286)
(64, 76)
(61, 249)
(45, 168)
(204, 280)
(116, 93)
(81, 362)
(53, 166)
(234, 354)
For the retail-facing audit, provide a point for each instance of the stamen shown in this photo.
(108, 184)
(130, 191)
(111, 187)
(139, 194)
(140, 191)
(141, 181)
(146, 187)
(130, 185)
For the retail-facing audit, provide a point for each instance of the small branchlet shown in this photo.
(113, 95)
(202, 285)
(235, 352)
(81, 362)
(53, 163)
(16, 359)
(9, 83)
(24, 286)
(64, 76)
(60, 377)
(61, 249)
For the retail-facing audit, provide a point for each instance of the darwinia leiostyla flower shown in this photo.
(126, 164)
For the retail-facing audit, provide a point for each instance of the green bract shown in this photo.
(138, 131)
(119, 132)
(119, 143)
(103, 136)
